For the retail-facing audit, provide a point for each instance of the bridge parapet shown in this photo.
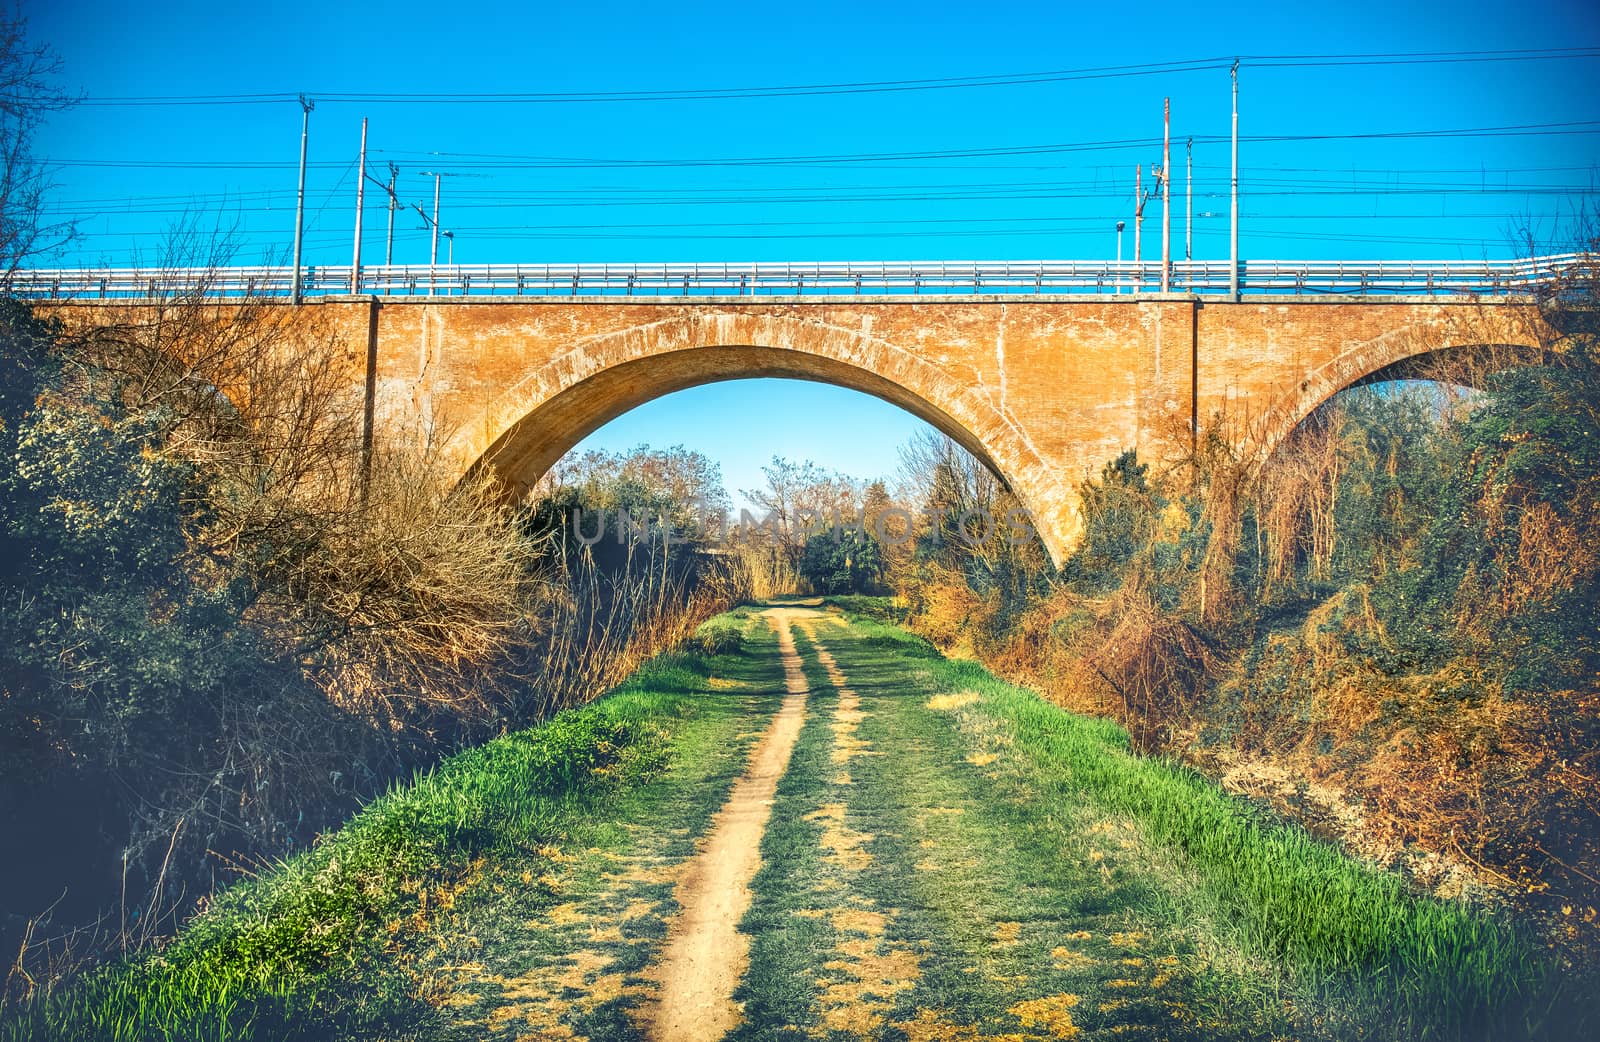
(810, 279)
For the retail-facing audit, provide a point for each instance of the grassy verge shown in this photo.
(884, 609)
(919, 884)
(296, 946)
(1425, 967)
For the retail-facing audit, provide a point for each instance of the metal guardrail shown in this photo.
(851, 279)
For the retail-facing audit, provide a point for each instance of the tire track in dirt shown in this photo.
(861, 984)
(848, 716)
(705, 956)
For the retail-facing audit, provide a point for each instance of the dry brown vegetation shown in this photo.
(1385, 627)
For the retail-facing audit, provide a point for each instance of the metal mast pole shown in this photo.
(1166, 195)
(361, 199)
(394, 204)
(306, 105)
(1233, 207)
(1138, 227)
(433, 255)
(1188, 201)
(1120, 226)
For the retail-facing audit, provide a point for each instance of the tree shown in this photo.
(1118, 512)
(845, 560)
(800, 498)
(27, 96)
(948, 484)
(676, 485)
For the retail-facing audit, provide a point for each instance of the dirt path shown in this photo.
(705, 955)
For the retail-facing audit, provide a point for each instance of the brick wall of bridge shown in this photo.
(1044, 390)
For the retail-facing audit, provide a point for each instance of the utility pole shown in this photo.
(433, 253)
(394, 204)
(1166, 195)
(1188, 200)
(1233, 209)
(361, 198)
(1120, 226)
(1140, 197)
(306, 105)
(433, 222)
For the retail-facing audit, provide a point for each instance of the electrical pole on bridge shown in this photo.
(1120, 226)
(306, 105)
(361, 198)
(1188, 202)
(394, 204)
(1233, 207)
(1139, 198)
(433, 254)
(1166, 195)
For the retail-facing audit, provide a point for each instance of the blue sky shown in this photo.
(606, 180)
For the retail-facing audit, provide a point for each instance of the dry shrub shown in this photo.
(944, 609)
(597, 627)
(1500, 784)
(1024, 650)
(1554, 547)
(768, 571)
(1156, 662)
(275, 369)
(394, 585)
(1224, 476)
(1061, 634)
(1445, 774)
(1295, 501)
(409, 600)
(1123, 656)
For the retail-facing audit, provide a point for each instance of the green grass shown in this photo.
(995, 811)
(296, 946)
(719, 636)
(959, 853)
(885, 609)
(510, 954)
(1430, 968)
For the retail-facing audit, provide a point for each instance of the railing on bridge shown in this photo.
(852, 278)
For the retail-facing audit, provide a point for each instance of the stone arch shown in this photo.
(1396, 356)
(531, 424)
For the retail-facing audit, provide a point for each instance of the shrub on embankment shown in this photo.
(279, 947)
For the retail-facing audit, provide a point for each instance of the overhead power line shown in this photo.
(931, 194)
(993, 224)
(495, 161)
(867, 86)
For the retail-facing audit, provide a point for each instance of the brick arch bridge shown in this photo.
(1044, 389)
